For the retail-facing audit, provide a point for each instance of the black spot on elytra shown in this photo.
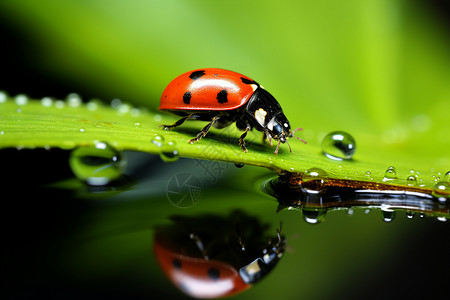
(196, 75)
(187, 97)
(248, 81)
(176, 263)
(213, 274)
(222, 96)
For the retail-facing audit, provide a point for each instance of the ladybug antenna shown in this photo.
(294, 131)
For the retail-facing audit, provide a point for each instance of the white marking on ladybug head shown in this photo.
(260, 116)
(254, 86)
(271, 124)
(253, 267)
(286, 125)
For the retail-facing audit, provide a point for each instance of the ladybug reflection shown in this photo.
(214, 256)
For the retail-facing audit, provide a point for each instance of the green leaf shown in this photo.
(68, 124)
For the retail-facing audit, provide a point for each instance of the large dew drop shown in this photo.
(98, 164)
(339, 145)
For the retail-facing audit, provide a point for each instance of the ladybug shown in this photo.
(207, 265)
(222, 97)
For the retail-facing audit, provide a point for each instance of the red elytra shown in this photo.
(208, 89)
(197, 277)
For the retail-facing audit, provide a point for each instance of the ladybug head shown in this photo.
(279, 127)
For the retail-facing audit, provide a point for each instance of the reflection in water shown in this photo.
(315, 196)
(213, 256)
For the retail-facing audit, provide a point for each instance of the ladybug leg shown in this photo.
(241, 140)
(204, 130)
(179, 122)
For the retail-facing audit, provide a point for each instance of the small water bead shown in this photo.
(388, 215)
(169, 152)
(314, 174)
(339, 145)
(410, 214)
(116, 103)
(390, 174)
(411, 180)
(93, 104)
(441, 191)
(158, 140)
(98, 164)
(314, 215)
(73, 100)
(46, 101)
(21, 99)
(3, 97)
(447, 176)
(314, 180)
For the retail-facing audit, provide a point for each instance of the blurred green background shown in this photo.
(379, 69)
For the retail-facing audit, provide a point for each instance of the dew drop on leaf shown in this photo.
(3, 96)
(390, 174)
(97, 164)
(21, 99)
(387, 214)
(169, 152)
(158, 140)
(411, 180)
(441, 191)
(339, 145)
(46, 101)
(314, 215)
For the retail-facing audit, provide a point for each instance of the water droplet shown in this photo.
(116, 103)
(388, 215)
(390, 174)
(124, 108)
(314, 180)
(46, 101)
(350, 211)
(314, 174)
(442, 219)
(82, 130)
(339, 145)
(441, 191)
(98, 164)
(73, 100)
(158, 140)
(447, 176)
(411, 180)
(410, 214)
(93, 104)
(21, 99)
(3, 96)
(314, 215)
(169, 152)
